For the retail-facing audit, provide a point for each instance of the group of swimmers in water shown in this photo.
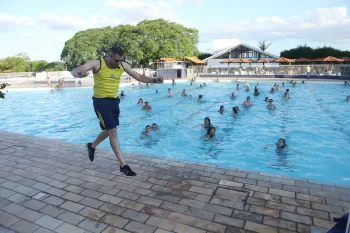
(210, 129)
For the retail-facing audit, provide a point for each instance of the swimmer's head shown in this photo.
(233, 94)
(211, 132)
(146, 103)
(169, 89)
(207, 121)
(140, 100)
(248, 98)
(222, 108)
(200, 97)
(287, 90)
(148, 128)
(266, 99)
(235, 110)
(281, 143)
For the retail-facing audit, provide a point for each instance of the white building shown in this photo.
(239, 51)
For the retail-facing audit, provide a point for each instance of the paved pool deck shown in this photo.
(51, 186)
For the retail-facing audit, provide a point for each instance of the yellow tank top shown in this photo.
(107, 80)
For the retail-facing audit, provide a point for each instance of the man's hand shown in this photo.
(79, 73)
(158, 80)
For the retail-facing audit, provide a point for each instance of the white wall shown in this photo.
(215, 63)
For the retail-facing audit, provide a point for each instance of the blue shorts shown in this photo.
(107, 111)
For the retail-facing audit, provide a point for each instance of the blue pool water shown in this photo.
(315, 123)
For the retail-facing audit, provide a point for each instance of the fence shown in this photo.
(315, 70)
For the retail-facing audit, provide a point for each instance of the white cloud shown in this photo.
(137, 10)
(322, 24)
(63, 22)
(187, 1)
(10, 21)
(344, 41)
(73, 23)
(64, 38)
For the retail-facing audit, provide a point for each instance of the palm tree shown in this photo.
(263, 45)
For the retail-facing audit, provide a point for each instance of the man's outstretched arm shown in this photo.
(138, 76)
(83, 71)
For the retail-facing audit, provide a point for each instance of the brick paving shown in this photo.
(51, 186)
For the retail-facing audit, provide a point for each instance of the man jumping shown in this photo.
(107, 73)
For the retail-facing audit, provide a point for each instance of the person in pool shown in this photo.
(147, 130)
(347, 98)
(281, 144)
(169, 94)
(267, 99)
(200, 98)
(207, 124)
(256, 92)
(222, 109)
(146, 106)
(237, 86)
(154, 126)
(122, 94)
(173, 82)
(211, 132)
(247, 88)
(156, 91)
(271, 106)
(248, 102)
(235, 111)
(183, 93)
(286, 94)
(140, 102)
(233, 96)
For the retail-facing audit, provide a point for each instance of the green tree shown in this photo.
(305, 51)
(263, 45)
(54, 66)
(37, 66)
(148, 41)
(203, 56)
(17, 63)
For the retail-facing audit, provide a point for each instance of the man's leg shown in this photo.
(113, 139)
(100, 138)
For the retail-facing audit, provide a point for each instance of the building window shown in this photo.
(224, 56)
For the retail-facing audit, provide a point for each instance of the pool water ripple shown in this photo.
(314, 121)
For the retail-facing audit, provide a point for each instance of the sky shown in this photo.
(41, 27)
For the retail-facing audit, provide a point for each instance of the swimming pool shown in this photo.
(315, 122)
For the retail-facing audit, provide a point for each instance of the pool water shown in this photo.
(315, 122)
